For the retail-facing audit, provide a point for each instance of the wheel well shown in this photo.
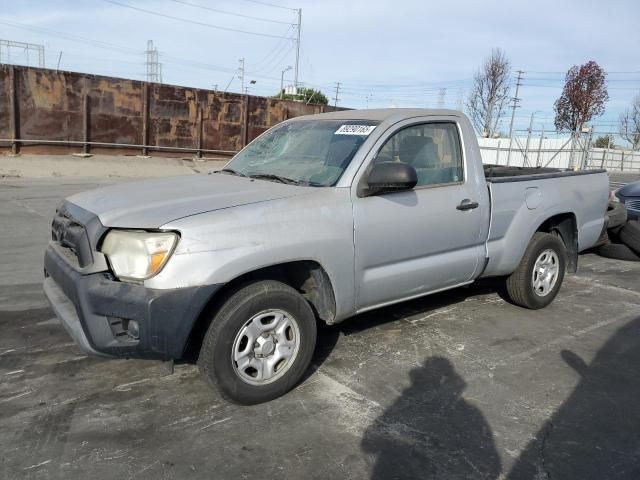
(306, 276)
(565, 226)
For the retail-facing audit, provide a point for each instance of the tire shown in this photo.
(604, 236)
(618, 251)
(237, 326)
(630, 235)
(617, 215)
(520, 284)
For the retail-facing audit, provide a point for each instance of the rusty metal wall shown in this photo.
(75, 107)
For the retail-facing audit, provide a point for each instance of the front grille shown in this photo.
(71, 236)
(632, 204)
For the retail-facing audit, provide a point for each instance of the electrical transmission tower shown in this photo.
(335, 99)
(9, 46)
(154, 68)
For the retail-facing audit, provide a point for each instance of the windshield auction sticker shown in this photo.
(355, 130)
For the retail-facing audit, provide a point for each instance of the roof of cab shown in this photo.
(380, 114)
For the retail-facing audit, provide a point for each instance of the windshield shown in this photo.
(304, 152)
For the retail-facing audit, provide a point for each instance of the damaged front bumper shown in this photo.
(117, 319)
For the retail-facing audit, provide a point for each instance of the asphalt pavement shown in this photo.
(460, 384)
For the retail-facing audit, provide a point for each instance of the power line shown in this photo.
(277, 63)
(268, 60)
(564, 73)
(270, 4)
(73, 38)
(194, 22)
(230, 13)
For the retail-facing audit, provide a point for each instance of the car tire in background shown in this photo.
(617, 215)
(630, 235)
(604, 235)
(537, 280)
(618, 251)
(259, 343)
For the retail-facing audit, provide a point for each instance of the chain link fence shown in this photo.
(557, 153)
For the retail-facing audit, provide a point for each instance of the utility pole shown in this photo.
(540, 147)
(526, 148)
(335, 99)
(282, 81)
(295, 82)
(513, 114)
(241, 76)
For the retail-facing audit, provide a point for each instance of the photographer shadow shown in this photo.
(431, 431)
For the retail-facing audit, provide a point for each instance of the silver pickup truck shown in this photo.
(320, 218)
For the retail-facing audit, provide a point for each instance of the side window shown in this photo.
(433, 149)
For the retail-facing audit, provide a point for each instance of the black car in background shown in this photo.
(629, 195)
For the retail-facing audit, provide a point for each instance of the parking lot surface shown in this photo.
(456, 385)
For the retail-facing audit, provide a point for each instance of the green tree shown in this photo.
(306, 95)
(604, 141)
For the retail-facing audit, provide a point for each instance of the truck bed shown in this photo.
(522, 198)
(502, 173)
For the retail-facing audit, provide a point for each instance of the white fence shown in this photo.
(556, 153)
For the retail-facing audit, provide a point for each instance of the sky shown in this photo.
(384, 53)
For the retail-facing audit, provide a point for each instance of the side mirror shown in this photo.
(391, 177)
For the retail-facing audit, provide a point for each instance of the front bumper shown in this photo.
(95, 309)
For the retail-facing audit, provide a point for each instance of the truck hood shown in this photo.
(630, 190)
(152, 203)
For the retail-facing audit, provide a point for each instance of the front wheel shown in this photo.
(537, 280)
(260, 343)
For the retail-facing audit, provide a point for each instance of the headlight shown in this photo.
(138, 255)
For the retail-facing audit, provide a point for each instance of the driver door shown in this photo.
(418, 241)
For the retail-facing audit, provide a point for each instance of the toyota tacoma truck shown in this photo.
(320, 218)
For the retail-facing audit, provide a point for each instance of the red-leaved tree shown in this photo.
(583, 97)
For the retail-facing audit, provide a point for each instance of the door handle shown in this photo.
(467, 204)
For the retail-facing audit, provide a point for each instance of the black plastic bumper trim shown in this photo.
(165, 317)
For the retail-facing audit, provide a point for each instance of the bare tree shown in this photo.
(583, 97)
(490, 93)
(630, 124)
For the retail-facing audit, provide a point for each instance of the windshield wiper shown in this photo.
(230, 171)
(278, 178)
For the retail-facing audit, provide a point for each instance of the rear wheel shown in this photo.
(260, 343)
(537, 280)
